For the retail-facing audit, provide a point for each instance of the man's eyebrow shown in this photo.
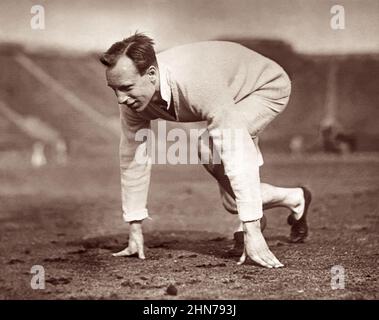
(120, 86)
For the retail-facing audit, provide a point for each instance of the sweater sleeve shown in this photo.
(233, 144)
(135, 165)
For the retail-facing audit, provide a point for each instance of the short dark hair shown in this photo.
(138, 47)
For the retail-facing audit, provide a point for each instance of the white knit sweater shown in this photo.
(206, 80)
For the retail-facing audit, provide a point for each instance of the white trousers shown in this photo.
(258, 112)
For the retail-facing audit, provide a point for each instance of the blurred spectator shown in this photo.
(38, 158)
(335, 139)
(297, 145)
(61, 152)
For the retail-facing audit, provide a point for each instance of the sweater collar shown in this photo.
(165, 88)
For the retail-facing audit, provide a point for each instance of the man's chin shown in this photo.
(140, 108)
(137, 107)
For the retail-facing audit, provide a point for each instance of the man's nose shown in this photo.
(121, 97)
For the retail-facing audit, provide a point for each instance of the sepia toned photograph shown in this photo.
(214, 150)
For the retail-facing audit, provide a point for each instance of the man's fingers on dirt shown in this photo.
(141, 254)
(122, 253)
(274, 260)
(269, 257)
(260, 261)
(139, 246)
(265, 261)
(243, 258)
(278, 264)
(264, 257)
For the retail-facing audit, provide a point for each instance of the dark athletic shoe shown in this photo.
(299, 228)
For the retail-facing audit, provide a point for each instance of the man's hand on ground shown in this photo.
(256, 247)
(135, 241)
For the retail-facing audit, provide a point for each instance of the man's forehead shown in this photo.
(123, 69)
(125, 63)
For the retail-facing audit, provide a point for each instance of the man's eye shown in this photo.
(124, 88)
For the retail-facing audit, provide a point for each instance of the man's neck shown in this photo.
(158, 100)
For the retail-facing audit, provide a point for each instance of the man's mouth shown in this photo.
(132, 103)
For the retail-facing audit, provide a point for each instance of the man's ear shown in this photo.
(152, 73)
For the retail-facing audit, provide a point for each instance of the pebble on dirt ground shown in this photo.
(171, 290)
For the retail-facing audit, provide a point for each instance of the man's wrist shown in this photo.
(255, 220)
(135, 215)
(135, 222)
(251, 225)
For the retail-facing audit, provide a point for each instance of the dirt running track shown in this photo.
(68, 220)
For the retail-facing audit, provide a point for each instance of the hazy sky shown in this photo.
(96, 24)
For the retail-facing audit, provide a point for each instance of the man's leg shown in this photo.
(292, 198)
(297, 200)
(272, 196)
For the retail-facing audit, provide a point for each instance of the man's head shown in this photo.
(132, 71)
